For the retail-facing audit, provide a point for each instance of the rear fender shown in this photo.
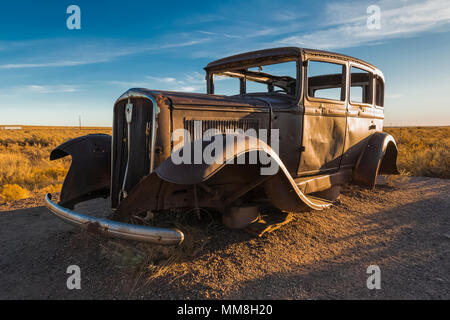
(379, 156)
(89, 175)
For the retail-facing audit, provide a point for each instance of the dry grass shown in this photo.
(25, 168)
(152, 262)
(423, 151)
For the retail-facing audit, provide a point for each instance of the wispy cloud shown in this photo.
(286, 15)
(226, 35)
(49, 64)
(194, 82)
(50, 88)
(207, 32)
(346, 24)
(38, 89)
(60, 52)
(64, 53)
(176, 44)
(129, 84)
(201, 19)
(340, 25)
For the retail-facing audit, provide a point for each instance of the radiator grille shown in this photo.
(198, 128)
(139, 165)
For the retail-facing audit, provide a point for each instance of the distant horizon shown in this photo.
(3, 126)
(8, 126)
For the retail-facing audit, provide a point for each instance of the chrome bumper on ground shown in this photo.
(116, 229)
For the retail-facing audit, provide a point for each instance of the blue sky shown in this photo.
(49, 75)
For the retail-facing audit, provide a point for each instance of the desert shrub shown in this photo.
(25, 163)
(423, 151)
(12, 192)
(50, 189)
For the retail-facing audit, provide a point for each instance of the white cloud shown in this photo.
(49, 64)
(129, 84)
(176, 44)
(346, 24)
(196, 77)
(200, 18)
(47, 53)
(37, 89)
(207, 32)
(49, 88)
(194, 82)
(162, 79)
(283, 16)
(186, 89)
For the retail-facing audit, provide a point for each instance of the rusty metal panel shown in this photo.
(90, 171)
(323, 141)
(289, 124)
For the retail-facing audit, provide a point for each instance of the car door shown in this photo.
(324, 120)
(361, 114)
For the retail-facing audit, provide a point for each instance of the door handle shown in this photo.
(372, 127)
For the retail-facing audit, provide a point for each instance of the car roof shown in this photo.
(278, 53)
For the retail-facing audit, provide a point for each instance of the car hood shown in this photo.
(199, 99)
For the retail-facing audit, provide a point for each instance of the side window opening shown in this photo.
(325, 80)
(252, 87)
(379, 92)
(361, 86)
(225, 85)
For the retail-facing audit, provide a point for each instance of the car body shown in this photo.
(326, 136)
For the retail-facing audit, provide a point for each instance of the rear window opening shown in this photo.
(379, 92)
(361, 86)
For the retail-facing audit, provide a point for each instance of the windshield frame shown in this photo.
(237, 71)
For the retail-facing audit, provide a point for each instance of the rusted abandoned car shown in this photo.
(314, 117)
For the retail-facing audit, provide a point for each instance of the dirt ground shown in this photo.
(403, 226)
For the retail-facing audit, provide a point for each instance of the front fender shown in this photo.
(89, 175)
(379, 156)
(146, 195)
(233, 147)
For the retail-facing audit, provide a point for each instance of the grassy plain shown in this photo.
(25, 167)
(26, 171)
(423, 151)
